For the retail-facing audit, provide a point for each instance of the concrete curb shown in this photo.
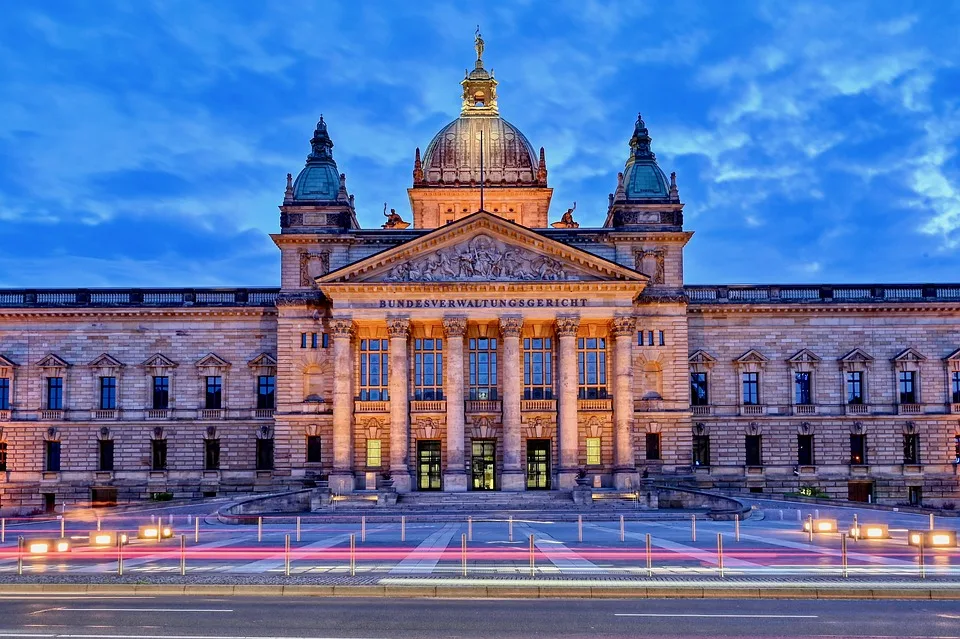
(496, 591)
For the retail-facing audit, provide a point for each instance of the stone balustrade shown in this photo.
(832, 294)
(139, 297)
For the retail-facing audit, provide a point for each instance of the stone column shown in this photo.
(567, 326)
(623, 329)
(512, 477)
(342, 478)
(455, 475)
(398, 328)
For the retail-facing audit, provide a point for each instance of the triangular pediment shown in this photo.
(701, 356)
(804, 356)
(751, 357)
(262, 360)
(212, 360)
(952, 357)
(482, 248)
(105, 360)
(158, 360)
(857, 355)
(6, 363)
(909, 355)
(52, 360)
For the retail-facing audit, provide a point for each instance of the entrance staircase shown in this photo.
(477, 501)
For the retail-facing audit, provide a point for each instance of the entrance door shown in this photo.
(538, 464)
(483, 464)
(428, 465)
(861, 491)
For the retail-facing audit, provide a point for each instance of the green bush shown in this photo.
(161, 496)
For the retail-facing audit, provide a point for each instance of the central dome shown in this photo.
(453, 156)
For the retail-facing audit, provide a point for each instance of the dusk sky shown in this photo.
(147, 143)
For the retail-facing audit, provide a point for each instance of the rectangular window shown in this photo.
(105, 455)
(483, 368)
(592, 367)
(698, 389)
(801, 388)
(374, 370)
(161, 393)
(911, 449)
(214, 392)
(52, 457)
(855, 387)
(4, 393)
(954, 388)
(593, 451)
(158, 454)
(858, 449)
(701, 450)
(956, 449)
(427, 369)
(313, 449)
(108, 393)
(805, 450)
(751, 388)
(3, 456)
(537, 368)
(211, 454)
(325, 340)
(653, 445)
(264, 454)
(660, 338)
(313, 340)
(649, 338)
(303, 340)
(908, 387)
(54, 393)
(754, 450)
(266, 391)
(373, 453)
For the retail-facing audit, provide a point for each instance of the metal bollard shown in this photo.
(353, 555)
(580, 528)
(810, 528)
(63, 527)
(153, 519)
(843, 553)
(363, 529)
(196, 530)
(120, 554)
(98, 524)
(649, 557)
(693, 527)
(720, 553)
(931, 521)
(923, 569)
(781, 514)
(403, 528)
(298, 529)
(470, 528)
(463, 554)
(736, 527)
(259, 529)
(3, 531)
(816, 513)
(622, 532)
(533, 568)
(170, 519)
(856, 528)
(510, 528)
(286, 555)
(183, 555)
(799, 515)
(19, 555)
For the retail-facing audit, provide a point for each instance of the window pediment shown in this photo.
(856, 359)
(751, 358)
(106, 363)
(701, 357)
(804, 359)
(212, 364)
(7, 367)
(51, 360)
(908, 359)
(157, 361)
(263, 364)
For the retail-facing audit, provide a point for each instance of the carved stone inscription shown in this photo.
(480, 259)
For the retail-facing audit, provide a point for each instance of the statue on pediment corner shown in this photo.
(566, 220)
(394, 221)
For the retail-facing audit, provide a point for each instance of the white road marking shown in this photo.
(55, 596)
(721, 616)
(165, 636)
(560, 555)
(420, 560)
(143, 609)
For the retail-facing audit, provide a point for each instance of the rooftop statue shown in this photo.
(566, 220)
(394, 221)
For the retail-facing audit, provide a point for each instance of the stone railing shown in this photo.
(158, 413)
(751, 409)
(482, 406)
(954, 408)
(595, 404)
(909, 409)
(857, 409)
(823, 293)
(804, 409)
(51, 415)
(211, 413)
(371, 407)
(538, 405)
(428, 406)
(106, 413)
(136, 297)
(700, 411)
(263, 413)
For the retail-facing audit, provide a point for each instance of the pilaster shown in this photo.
(342, 477)
(512, 477)
(567, 327)
(398, 328)
(455, 476)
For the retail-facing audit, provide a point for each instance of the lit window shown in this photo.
(592, 367)
(593, 451)
(373, 453)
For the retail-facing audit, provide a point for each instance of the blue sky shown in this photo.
(146, 143)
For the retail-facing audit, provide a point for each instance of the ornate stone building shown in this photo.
(480, 348)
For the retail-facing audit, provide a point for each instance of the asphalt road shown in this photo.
(89, 617)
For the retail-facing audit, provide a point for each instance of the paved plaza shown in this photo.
(419, 547)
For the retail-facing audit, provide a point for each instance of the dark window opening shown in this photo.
(911, 449)
(108, 393)
(4, 393)
(266, 391)
(915, 495)
(214, 392)
(805, 450)
(701, 450)
(158, 454)
(3, 456)
(754, 452)
(801, 384)
(313, 449)
(211, 454)
(653, 446)
(52, 457)
(908, 387)
(161, 392)
(751, 388)
(855, 387)
(698, 389)
(264, 454)
(105, 455)
(858, 449)
(54, 393)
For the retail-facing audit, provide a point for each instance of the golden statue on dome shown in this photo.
(478, 45)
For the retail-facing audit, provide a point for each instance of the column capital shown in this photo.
(623, 325)
(341, 327)
(398, 326)
(567, 325)
(455, 325)
(511, 325)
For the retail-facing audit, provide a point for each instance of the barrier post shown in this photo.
(693, 527)
(120, 554)
(259, 529)
(19, 555)
(170, 519)
(533, 569)
(580, 528)
(196, 530)
(720, 553)
(470, 528)
(363, 529)
(3, 531)
(931, 521)
(649, 557)
(353, 555)
(816, 513)
(63, 527)
(403, 528)
(298, 529)
(463, 553)
(923, 569)
(810, 527)
(510, 527)
(183, 555)
(98, 524)
(286, 555)
(736, 527)
(843, 552)
(622, 532)
(856, 528)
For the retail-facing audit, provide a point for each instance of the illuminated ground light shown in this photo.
(46, 546)
(933, 538)
(154, 532)
(107, 538)
(870, 531)
(821, 526)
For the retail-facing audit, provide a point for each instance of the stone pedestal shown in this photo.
(513, 481)
(454, 482)
(626, 478)
(567, 479)
(341, 482)
(402, 481)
